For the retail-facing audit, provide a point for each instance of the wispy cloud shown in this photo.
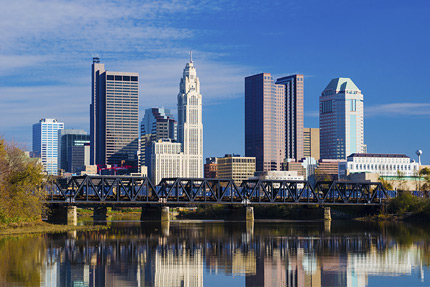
(398, 109)
(47, 47)
(47, 27)
(312, 114)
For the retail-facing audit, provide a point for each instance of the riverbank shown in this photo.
(282, 212)
(43, 227)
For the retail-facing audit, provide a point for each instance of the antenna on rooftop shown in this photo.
(96, 58)
(191, 56)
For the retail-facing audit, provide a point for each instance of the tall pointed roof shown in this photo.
(341, 84)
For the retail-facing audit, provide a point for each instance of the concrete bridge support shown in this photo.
(249, 230)
(165, 228)
(327, 226)
(100, 213)
(327, 214)
(161, 213)
(249, 213)
(61, 214)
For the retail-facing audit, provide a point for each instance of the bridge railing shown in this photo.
(207, 190)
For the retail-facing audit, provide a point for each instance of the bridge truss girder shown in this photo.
(140, 190)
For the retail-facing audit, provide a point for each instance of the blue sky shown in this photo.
(383, 46)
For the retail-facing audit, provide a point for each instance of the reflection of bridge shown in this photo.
(139, 191)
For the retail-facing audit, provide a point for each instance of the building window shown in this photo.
(326, 107)
(353, 104)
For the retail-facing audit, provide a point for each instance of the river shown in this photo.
(209, 253)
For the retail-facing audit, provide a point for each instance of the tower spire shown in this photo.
(191, 56)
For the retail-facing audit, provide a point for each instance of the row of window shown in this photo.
(381, 167)
(122, 78)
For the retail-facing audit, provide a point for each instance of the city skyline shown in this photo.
(51, 80)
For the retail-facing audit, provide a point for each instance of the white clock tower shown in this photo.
(190, 126)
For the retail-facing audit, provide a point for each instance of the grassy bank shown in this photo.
(42, 227)
(113, 213)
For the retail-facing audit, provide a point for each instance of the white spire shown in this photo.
(191, 56)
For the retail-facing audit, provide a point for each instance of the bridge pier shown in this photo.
(150, 212)
(100, 213)
(165, 228)
(327, 226)
(249, 213)
(249, 230)
(60, 214)
(327, 214)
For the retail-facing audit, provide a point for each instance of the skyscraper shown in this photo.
(294, 97)
(341, 120)
(157, 123)
(71, 149)
(184, 158)
(265, 121)
(190, 126)
(114, 116)
(311, 143)
(45, 143)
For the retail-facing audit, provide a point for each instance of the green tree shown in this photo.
(425, 174)
(21, 179)
(386, 184)
(322, 176)
(401, 181)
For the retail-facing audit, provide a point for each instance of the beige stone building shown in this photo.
(311, 143)
(236, 167)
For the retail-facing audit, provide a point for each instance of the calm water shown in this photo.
(222, 254)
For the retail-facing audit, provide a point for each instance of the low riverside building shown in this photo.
(293, 165)
(328, 169)
(235, 167)
(211, 167)
(277, 175)
(310, 169)
(87, 170)
(386, 165)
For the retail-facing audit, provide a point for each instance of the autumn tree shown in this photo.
(21, 180)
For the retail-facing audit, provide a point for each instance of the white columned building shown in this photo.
(382, 164)
(166, 161)
(190, 126)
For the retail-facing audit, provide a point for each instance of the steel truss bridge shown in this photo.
(139, 191)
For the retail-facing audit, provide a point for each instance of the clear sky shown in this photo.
(383, 46)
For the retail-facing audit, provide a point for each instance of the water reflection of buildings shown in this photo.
(179, 269)
(181, 258)
(303, 269)
(119, 263)
(394, 261)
